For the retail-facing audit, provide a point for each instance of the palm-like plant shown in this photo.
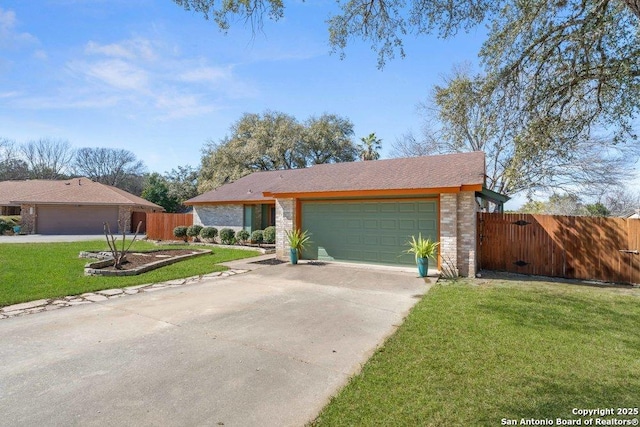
(422, 248)
(370, 146)
(298, 239)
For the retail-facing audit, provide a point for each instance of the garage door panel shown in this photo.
(406, 207)
(407, 224)
(57, 219)
(427, 224)
(374, 232)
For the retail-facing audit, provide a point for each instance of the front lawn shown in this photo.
(473, 355)
(47, 270)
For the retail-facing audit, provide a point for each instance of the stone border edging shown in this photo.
(95, 268)
(50, 304)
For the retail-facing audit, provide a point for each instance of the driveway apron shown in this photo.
(268, 347)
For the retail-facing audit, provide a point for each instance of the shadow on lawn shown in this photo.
(554, 399)
(577, 314)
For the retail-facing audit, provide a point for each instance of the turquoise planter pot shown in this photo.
(293, 256)
(423, 266)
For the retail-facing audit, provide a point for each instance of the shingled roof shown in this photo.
(404, 174)
(81, 191)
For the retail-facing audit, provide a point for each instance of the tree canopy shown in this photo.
(275, 140)
(526, 151)
(117, 167)
(577, 60)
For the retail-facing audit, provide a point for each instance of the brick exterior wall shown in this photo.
(124, 219)
(28, 219)
(219, 216)
(449, 229)
(467, 234)
(458, 232)
(285, 220)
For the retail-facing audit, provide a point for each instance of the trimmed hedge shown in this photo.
(242, 236)
(227, 236)
(269, 234)
(208, 233)
(194, 230)
(180, 232)
(257, 236)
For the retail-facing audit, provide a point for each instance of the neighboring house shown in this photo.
(74, 206)
(634, 215)
(361, 211)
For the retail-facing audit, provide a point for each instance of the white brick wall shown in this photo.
(219, 216)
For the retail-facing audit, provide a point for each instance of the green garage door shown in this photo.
(371, 231)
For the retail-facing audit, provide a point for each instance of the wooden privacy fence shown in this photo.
(606, 249)
(160, 225)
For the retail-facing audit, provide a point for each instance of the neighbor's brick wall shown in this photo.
(448, 229)
(219, 216)
(285, 221)
(467, 235)
(28, 220)
(124, 219)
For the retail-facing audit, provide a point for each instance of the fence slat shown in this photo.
(160, 225)
(560, 246)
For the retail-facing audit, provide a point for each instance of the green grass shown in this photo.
(34, 271)
(471, 355)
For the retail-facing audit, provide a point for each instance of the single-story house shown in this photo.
(633, 215)
(73, 206)
(361, 211)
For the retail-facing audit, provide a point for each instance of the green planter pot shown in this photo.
(423, 266)
(293, 256)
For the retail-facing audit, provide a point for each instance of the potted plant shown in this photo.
(297, 242)
(423, 249)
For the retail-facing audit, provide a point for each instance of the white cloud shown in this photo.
(9, 36)
(41, 55)
(116, 73)
(128, 49)
(206, 75)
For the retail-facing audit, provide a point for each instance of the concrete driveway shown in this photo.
(267, 347)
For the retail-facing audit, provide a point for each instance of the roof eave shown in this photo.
(373, 192)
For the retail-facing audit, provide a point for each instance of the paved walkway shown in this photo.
(267, 347)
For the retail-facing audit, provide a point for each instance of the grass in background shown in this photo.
(471, 355)
(48, 270)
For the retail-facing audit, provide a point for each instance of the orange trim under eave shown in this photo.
(235, 202)
(374, 193)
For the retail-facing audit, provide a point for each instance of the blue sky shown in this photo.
(152, 78)
(157, 80)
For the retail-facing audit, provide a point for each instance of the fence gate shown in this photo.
(160, 225)
(606, 249)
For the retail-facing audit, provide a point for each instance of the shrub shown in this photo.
(257, 236)
(194, 231)
(180, 232)
(5, 226)
(242, 236)
(227, 236)
(269, 234)
(208, 233)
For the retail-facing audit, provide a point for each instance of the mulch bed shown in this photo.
(138, 259)
(270, 261)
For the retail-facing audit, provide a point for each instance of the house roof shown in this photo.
(449, 171)
(73, 191)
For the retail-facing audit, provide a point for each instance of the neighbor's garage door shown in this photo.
(371, 231)
(76, 219)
